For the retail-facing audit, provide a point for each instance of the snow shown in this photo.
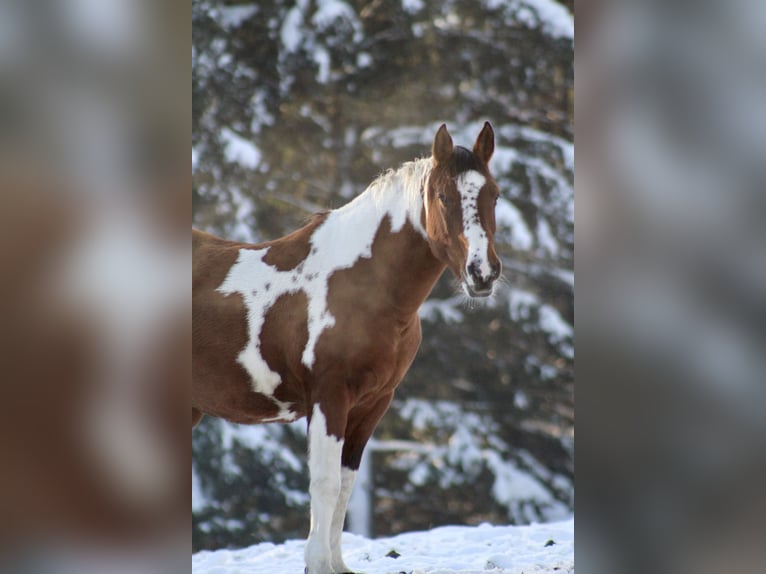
(513, 484)
(556, 20)
(264, 438)
(239, 150)
(546, 239)
(412, 6)
(564, 275)
(290, 33)
(468, 445)
(533, 549)
(322, 59)
(329, 10)
(299, 32)
(553, 323)
(363, 60)
(520, 302)
(434, 414)
(268, 440)
(559, 331)
(199, 501)
(447, 309)
(511, 132)
(233, 16)
(508, 216)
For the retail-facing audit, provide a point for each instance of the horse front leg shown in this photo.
(360, 426)
(348, 478)
(325, 487)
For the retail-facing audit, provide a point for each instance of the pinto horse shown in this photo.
(323, 323)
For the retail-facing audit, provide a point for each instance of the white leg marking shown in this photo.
(324, 488)
(348, 477)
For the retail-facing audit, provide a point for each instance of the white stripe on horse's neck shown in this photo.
(396, 193)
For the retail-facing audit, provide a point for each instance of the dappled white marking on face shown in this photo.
(324, 487)
(469, 185)
(344, 237)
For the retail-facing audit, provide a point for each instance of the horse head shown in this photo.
(460, 199)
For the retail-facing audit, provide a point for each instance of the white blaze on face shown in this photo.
(469, 185)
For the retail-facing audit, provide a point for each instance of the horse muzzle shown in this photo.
(476, 283)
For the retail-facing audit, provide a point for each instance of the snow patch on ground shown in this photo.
(533, 549)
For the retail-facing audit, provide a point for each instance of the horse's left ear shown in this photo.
(442, 148)
(485, 143)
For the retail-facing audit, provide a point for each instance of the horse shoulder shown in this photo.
(411, 337)
(387, 352)
(391, 365)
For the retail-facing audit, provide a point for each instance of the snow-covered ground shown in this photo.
(534, 549)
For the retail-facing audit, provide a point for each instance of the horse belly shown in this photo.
(243, 377)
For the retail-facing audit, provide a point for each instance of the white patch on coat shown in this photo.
(325, 487)
(469, 185)
(344, 237)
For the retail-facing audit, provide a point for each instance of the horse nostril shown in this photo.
(473, 271)
(496, 268)
(480, 280)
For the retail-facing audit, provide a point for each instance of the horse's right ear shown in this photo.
(442, 148)
(485, 143)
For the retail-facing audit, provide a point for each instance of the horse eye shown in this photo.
(443, 198)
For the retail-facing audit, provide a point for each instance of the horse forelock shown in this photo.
(465, 160)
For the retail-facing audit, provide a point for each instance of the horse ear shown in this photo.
(485, 143)
(442, 148)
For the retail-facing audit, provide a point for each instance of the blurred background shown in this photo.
(671, 252)
(94, 287)
(297, 107)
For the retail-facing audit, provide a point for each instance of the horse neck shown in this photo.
(407, 269)
(386, 225)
